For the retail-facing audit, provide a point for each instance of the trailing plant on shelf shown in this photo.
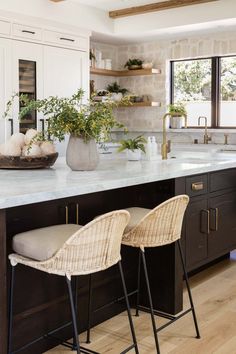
(115, 88)
(134, 64)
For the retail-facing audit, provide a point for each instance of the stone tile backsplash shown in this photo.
(160, 52)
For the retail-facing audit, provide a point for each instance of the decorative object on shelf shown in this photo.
(133, 147)
(177, 112)
(134, 64)
(92, 87)
(86, 123)
(147, 65)
(116, 91)
(92, 58)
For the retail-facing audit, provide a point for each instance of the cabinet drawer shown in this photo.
(5, 27)
(222, 180)
(65, 40)
(26, 32)
(196, 185)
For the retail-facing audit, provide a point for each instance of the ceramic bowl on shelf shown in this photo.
(147, 65)
(27, 162)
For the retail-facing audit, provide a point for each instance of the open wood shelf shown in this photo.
(120, 73)
(142, 104)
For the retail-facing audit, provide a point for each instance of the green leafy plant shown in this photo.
(133, 144)
(115, 88)
(178, 108)
(132, 62)
(91, 120)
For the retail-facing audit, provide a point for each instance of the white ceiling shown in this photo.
(109, 5)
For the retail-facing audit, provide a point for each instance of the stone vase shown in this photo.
(80, 155)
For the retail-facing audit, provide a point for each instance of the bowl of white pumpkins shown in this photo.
(27, 151)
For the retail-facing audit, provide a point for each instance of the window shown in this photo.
(208, 88)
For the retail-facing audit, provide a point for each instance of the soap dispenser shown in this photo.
(153, 147)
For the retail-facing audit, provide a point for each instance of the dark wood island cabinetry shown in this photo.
(41, 301)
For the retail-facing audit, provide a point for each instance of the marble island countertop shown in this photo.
(20, 187)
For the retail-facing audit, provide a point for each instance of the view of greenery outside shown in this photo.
(192, 85)
(228, 92)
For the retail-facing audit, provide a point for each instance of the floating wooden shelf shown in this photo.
(142, 104)
(120, 73)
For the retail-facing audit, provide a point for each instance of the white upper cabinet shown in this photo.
(65, 71)
(5, 85)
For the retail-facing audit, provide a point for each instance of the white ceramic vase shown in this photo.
(80, 155)
(133, 155)
(176, 122)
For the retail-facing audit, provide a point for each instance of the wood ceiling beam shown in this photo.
(159, 6)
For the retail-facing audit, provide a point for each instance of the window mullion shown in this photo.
(215, 99)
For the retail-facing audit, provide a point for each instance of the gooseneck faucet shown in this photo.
(207, 138)
(164, 146)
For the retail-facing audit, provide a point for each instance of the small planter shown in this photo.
(133, 155)
(135, 67)
(117, 97)
(176, 122)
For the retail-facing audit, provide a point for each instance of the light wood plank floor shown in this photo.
(214, 293)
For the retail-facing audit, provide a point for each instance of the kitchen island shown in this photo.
(32, 199)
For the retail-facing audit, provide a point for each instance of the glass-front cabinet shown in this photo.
(27, 86)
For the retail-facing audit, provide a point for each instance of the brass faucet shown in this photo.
(164, 146)
(207, 138)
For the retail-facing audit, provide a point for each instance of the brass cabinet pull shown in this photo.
(67, 214)
(77, 214)
(197, 186)
(216, 219)
(207, 212)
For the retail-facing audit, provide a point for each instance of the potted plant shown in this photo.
(177, 111)
(116, 91)
(133, 147)
(92, 58)
(134, 64)
(86, 124)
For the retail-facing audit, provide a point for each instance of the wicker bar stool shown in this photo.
(72, 250)
(154, 228)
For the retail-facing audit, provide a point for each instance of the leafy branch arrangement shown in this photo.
(133, 144)
(115, 88)
(93, 120)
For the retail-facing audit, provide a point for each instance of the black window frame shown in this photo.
(215, 88)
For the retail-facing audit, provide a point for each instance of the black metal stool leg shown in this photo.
(128, 308)
(9, 350)
(138, 284)
(76, 308)
(89, 309)
(189, 290)
(150, 302)
(74, 317)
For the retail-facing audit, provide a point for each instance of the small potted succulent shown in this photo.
(133, 64)
(116, 91)
(133, 147)
(177, 111)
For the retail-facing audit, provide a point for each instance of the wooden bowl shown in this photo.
(27, 162)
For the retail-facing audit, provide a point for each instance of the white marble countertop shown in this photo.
(20, 187)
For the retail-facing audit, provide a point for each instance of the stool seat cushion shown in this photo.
(136, 214)
(42, 244)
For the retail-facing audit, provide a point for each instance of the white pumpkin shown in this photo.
(33, 150)
(10, 149)
(18, 139)
(47, 148)
(30, 134)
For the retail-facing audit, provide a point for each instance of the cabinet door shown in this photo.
(27, 79)
(65, 71)
(5, 85)
(222, 224)
(197, 229)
